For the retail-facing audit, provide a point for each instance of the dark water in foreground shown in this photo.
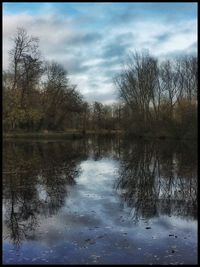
(100, 201)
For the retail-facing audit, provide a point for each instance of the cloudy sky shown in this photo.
(92, 39)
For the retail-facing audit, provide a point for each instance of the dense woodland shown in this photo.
(156, 97)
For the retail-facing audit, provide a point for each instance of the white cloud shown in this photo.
(91, 53)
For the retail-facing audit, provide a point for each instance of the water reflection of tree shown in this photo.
(104, 146)
(35, 179)
(159, 178)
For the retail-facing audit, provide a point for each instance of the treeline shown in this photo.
(160, 97)
(37, 95)
(156, 98)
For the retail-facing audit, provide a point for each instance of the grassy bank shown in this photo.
(150, 136)
(74, 134)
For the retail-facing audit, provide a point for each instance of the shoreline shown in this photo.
(79, 134)
(61, 135)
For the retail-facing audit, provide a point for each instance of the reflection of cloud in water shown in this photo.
(95, 173)
(41, 190)
(92, 207)
(165, 222)
(94, 191)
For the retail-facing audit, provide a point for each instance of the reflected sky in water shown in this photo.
(99, 201)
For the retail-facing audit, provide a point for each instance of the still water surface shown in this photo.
(99, 201)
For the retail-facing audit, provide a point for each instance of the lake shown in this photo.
(99, 201)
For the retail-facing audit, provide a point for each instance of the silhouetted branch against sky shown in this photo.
(92, 39)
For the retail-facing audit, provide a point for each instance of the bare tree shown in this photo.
(137, 84)
(154, 93)
(25, 63)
